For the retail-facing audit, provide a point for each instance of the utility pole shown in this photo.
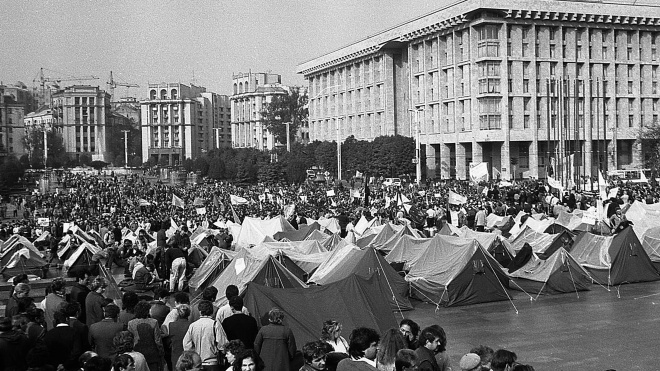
(125, 147)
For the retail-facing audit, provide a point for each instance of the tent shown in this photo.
(408, 249)
(496, 245)
(456, 271)
(404, 230)
(557, 274)
(254, 230)
(216, 261)
(316, 235)
(614, 260)
(331, 242)
(20, 256)
(299, 234)
(353, 301)
(306, 255)
(331, 224)
(246, 268)
(196, 255)
(643, 216)
(448, 230)
(651, 244)
(351, 259)
(83, 258)
(542, 242)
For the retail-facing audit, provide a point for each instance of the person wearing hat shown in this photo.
(95, 301)
(470, 362)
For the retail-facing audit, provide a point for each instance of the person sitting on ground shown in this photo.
(362, 349)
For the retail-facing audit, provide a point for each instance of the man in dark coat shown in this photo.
(61, 343)
(95, 301)
(240, 326)
(429, 340)
(79, 292)
(101, 333)
(13, 347)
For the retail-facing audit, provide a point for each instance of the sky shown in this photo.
(185, 41)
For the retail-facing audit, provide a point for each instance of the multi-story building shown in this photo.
(15, 101)
(178, 122)
(479, 80)
(252, 93)
(81, 118)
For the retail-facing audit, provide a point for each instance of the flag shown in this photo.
(215, 201)
(456, 199)
(144, 202)
(201, 210)
(330, 193)
(401, 199)
(237, 220)
(613, 192)
(602, 186)
(198, 201)
(554, 183)
(358, 174)
(642, 177)
(479, 172)
(173, 224)
(176, 201)
(237, 200)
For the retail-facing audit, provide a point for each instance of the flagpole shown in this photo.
(597, 132)
(605, 128)
(547, 142)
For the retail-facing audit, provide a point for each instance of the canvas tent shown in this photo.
(353, 301)
(216, 261)
(408, 249)
(306, 255)
(651, 244)
(643, 216)
(246, 268)
(614, 260)
(351, 259)
(254, 230)
(559, 273)
(299, 234)
(18, 255)
(83, 258)
(457, 271)
(496, 245)
(405, 230)
(542, 243)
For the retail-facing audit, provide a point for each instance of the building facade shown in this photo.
(178, 122)
(15, 101)
(517, 84)
(251, 94)
(80, 116)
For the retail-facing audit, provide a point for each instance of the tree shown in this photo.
(649, 136)
(216, 169)
(201, 165)
(326, 156)
(11, 170)
(188, 164)
(85, 159)
(291, 108)
(33, 141)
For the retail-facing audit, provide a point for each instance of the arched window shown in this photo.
(173, 94)
(152, 95)
(235, 88)
(247, 89)
(163, 94)
(240, 87)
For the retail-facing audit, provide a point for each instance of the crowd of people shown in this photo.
(77, 326)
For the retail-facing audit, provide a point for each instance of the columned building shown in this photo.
(15, 101)
(80, 116)
(252, 93)
(179, 122)
(514, 83)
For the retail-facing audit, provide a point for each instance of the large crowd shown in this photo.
(78, 326)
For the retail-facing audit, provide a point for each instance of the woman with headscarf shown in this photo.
(275, 343)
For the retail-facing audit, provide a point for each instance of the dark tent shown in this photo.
(555, 228)
(498, 246)
(196, 255)
(563, 239)
(354, 302)
(20, 256)
(291, 266)
(299, 234)
(85, 258)
(521, 258)
(614, 260)
(557, 274)
(364, 262)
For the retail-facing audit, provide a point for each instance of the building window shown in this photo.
(489, 44)
(489, 113)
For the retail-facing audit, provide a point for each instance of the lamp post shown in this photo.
(46, 129)
(125, 147)
(288, 138)
(418, 162)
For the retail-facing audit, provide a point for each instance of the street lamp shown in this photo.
(418, 163)
(125, 147)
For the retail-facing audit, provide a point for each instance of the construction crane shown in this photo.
(112, 84)
(42, 79)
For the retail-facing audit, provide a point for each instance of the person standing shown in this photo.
(240, 326)
(175, 258)
(205, 337)
(101, 333)
(52, 302)
(95, 301)
(275, 343)
(20, 301)
(429, 340)
(176, 331)
(147, 336)
(79, 292)
(362, 350)
(13, 347)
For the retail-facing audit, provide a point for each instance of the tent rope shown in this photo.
(572, 280)
(485, 253)
(540, 291)
(437, 305)
(389, 285)
(531, 298)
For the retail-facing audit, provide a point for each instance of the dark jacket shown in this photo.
(94, 303)
(60, 342)
(79, 293)
(13, 350)
(242, 327)
(101, 335)
(426, 360)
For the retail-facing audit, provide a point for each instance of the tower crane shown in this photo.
(112, 84)
(42, 79)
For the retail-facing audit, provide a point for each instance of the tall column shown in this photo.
(505, 160)
(477, 153)
(445, 161)
(534, 159)
(430, 161)
(588, 155)
(637, 158)
(461, 171)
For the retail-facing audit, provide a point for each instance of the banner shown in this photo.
(613, 192)
(479, 172)
(590, 216)
(237, 200)
(143, 202)
(330, 193)
(198, 202)
(201, 210)
(456, 199)
(554, 183)
(43, 222)
(176, 201)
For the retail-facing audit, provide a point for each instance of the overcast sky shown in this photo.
(155, 41)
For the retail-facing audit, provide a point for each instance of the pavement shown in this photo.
(593, 330)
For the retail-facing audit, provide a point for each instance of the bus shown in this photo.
(630, 175)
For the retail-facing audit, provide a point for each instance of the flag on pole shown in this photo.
(144, 202)
(198, 202)
(554, 183)
(215, 201)
(602, 186)
(176, 201)
(642, 177)
(456, 199)
(201, 210)
(237, 200)
(330, 193)
(237, 220)
(613, 192)
(479, 172)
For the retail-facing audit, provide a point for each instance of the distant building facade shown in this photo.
(178, 122)
(251, 94)
(478, 79)
(81, 116)
(15, 101)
